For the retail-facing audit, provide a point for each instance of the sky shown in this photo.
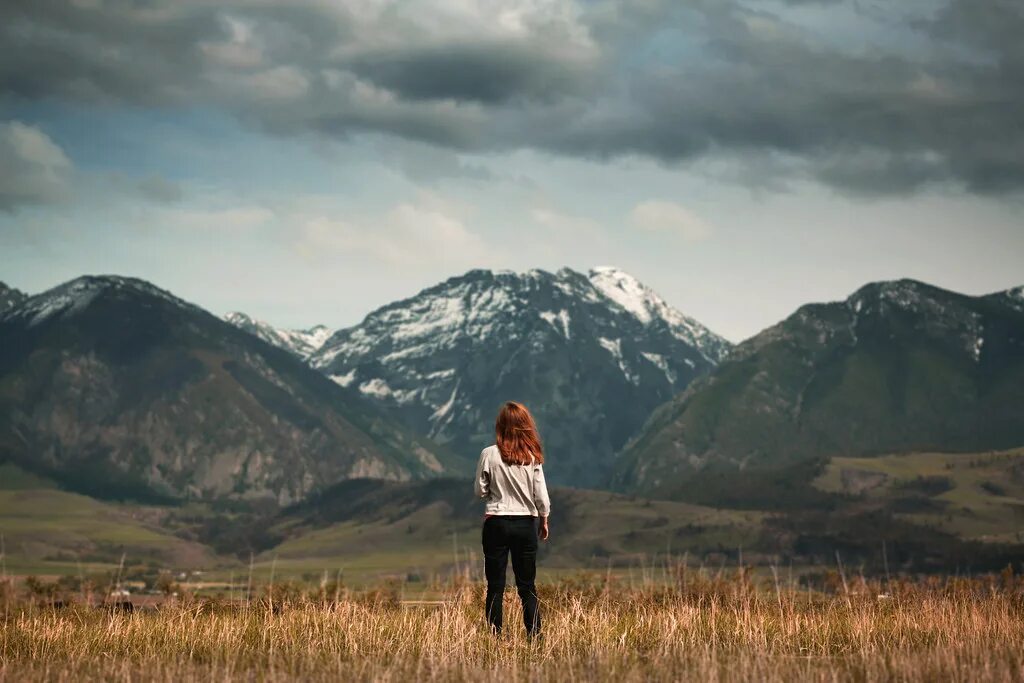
(306, 162)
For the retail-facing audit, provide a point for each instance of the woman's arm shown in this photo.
(541, 500)
(482, 482)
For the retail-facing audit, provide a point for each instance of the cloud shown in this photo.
(670, 218)
(410, 235)
(234, 218)
(562, 223)
(159, 189)
(487, 73)
(427, 164)
(33, 168)
(916, 95)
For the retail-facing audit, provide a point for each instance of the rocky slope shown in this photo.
(10, 297)
(118, 388)
(591, 354)
(897, 367)
(302, 343)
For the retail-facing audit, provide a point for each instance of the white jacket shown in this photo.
(511, 489)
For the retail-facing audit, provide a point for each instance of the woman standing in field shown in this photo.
(510, 477)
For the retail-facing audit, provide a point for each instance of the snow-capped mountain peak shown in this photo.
(625, 290)
(10, 297)
(76, 295)
(302, 343)
(569, 344)
(640, 300)
(1016, 297)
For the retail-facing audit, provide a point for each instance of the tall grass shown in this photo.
(693, 627)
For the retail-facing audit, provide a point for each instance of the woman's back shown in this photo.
(510, 478)
(511, 489)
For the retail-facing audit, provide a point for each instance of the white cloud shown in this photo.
(33, 168)
(234, 218)
(159, 189)
(564, 223)
(669, 217)
(413, 234)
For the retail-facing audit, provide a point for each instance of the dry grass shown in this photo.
(694, 627)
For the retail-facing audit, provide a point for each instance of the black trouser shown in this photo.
(516, 535)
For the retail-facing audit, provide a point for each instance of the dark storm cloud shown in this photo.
(488, 73)
(117, 53)
(874, 122)
(668, 80)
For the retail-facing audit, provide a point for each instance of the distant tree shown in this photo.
(166, 584)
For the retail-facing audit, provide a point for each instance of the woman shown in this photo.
(510, 476)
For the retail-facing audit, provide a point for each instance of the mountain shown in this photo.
(118, 388)
(302, 343)
(591, 355)
(10, 297)
(898, 367)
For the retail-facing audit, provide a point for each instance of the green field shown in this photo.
(421, 531)
(49, 531)
(976, 496)
(589, 529)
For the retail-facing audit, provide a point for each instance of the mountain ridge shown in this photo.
(301, 342)
(10, 297)
(897, 366)
(115, 384)
(589, 353)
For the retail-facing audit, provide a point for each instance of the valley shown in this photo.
(140, 429)
(931, 511)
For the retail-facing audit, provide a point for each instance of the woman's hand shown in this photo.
(544, 531)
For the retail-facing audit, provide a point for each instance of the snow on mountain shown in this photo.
(112, 384)
(936, 312)
(649, 308)
(1015, 297)
(10, 297)
(898, 366)
(76, 295)
(591, 354)
(560, 320)
(302, 343)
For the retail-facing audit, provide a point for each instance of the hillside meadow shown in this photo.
(689, 624)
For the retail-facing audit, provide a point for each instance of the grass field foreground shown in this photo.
(698, 628)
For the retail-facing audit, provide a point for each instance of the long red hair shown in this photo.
(517, 436)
